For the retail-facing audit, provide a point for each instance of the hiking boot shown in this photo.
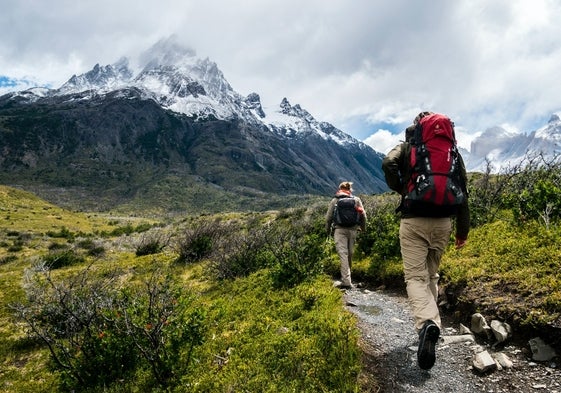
(428, 336)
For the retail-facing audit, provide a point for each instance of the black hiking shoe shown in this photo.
(428, 336)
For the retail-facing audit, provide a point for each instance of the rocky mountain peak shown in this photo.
(504, 148)
(174, 77)
(253, 102)
(99, 77)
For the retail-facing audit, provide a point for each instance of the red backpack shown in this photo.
(435, 168)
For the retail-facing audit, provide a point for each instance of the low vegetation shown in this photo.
(229, 302)
(244, 301)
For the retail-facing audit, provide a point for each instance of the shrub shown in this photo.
(61, 258)
(98, 332)
(16, 247)
(62, 233)
(485, 196)
(292, 245)
(198, 242)
(8, 259)
(240, 253)
(381, 238)
(534, 190)
(92, 247)
(298, 257)
(152, 243)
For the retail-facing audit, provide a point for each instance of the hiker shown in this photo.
(426, 225)
(345, 217)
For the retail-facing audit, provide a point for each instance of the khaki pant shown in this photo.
(423, 241)
(344, 244)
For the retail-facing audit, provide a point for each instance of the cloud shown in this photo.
(371, 62)
(383, 141)
(8, 84)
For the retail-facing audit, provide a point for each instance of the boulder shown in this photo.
(501, 330)
(541, 352)
(484, 362)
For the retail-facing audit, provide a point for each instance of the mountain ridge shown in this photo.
(504, 149)
(112, 135)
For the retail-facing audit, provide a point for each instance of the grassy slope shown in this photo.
(249, 318)
(24, 221)
(510, 272)
(506, 271)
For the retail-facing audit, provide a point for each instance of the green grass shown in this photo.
(277, 340)
(257, 338)
(515, 269)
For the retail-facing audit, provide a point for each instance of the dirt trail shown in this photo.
(389, 342)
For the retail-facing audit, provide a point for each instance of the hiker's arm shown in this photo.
(329, 218)
(462, 216)
(391, 168)
(362, 224)
(462, 221)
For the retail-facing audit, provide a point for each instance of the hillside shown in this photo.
(264, 281)
(174, 137)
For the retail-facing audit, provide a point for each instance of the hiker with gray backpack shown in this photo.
(345, 217)
(429, 174)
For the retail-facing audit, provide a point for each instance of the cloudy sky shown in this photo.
(366, 66)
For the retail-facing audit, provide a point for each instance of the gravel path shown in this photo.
(389, 342)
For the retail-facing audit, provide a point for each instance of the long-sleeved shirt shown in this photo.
(397, 172)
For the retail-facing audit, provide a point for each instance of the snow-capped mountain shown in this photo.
(134, 127)
(178, 80)
(504, 149)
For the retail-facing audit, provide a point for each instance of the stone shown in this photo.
(457, 339)
(503, 360)
(541, 352)
(479, 325)
(484, 362)
(501, 330)
(464, 329)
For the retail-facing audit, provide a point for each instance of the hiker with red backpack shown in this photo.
(345, 216)
(428, 172)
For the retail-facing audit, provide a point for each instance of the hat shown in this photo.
(346, 185)
(420, 116)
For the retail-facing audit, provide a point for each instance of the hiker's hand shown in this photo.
(460, 243)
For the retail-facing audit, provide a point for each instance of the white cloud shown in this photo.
(464, 138)
(483, 63)
(383, 141)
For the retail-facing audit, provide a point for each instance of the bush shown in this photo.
(381, 238)
(62, 233)
(298, 258)
(7, 259)
(533, 190)
(98, 333)
(61, 258)
(292, 245)
(485, 196)
(152, 243)
(240, 253)
(198, 242)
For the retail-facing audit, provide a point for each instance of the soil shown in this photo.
(389, 343)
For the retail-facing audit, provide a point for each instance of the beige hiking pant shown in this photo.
(344, 244)
(423, 241)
